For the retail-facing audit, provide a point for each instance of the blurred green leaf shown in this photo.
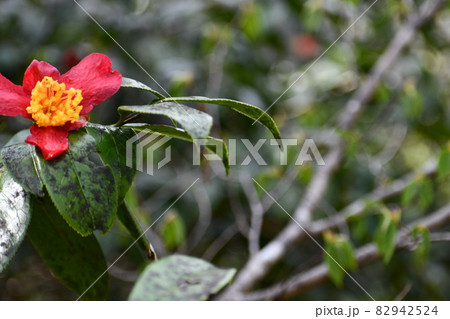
(444, 163)
(251, 20)
(386, 234)
(14, 216)
(173, 231)
(180, 278)
(312, 17)
(75, 260)
(339, 256)
(81, 186)
(411, 100)
(248, 110)
(419, 192)
(422, 235)
(197, 124)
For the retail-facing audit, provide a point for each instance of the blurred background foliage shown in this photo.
(253, 51)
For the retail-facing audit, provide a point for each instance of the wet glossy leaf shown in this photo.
(180, 278)
(82, 188)
(196, 123)
(215, 145)
(130, 83)
(21, 162)
(111, 144)
(248, 110)
(75, 260)
(14, 216)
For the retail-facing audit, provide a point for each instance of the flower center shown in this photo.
(52, 105)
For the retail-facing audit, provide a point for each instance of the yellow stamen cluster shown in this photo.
(52, 105)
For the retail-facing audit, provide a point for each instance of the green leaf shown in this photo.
(75, 260)
(411, 100)
(386, 234)
(130, 83)
(211, 142)
(82, 188)
(197, 124)
(18, 138)
(251, 20)
(128, 220)
(161, 129)
(421, 251)
(173, 231)
(111, 145)
(444, 163)
(419, 192)
(14, 216)
(248, 110)
(409, 193)
(180, 278)
(426, 194)
(339, 256)
(21, 162)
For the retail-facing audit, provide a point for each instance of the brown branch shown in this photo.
(261, 263)
(365, 255)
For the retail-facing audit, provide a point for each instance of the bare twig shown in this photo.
(365, 255)
(257, 213)
(204, 217)
(437, 237)
(379, 194)
(220, 242)
(404, 292)
(238, 211)
(260, 264)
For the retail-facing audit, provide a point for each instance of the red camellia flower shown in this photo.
(58, 103)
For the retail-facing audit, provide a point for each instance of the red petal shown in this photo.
(14, 99)
(74, 126)
(95, 78)
(36, 72)
(51, 140)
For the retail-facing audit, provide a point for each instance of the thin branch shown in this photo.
(204, 217)
(438, 237)
(379, 194)
(257, 213)
(220, 242)
(282, 186)
(404, 292)
(364, 255)
(261, 263)
(237, 210)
